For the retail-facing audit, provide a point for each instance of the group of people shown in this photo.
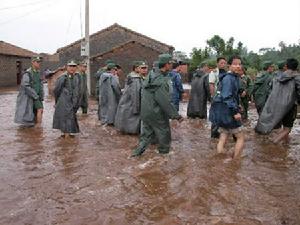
(151, 98)
(229, 89)
(70, 94)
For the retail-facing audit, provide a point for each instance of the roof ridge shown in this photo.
(121, 45)
(26, 51)
(109, 28)
(17, 46)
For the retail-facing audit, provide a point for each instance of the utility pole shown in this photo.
(87, 42)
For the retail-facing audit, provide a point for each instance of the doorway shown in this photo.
(19, 71)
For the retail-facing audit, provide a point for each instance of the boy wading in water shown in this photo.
(228, 94)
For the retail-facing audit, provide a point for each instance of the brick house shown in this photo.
(124, 55)
(119, 44)
(13, 61)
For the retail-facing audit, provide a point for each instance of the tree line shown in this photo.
(217, 46)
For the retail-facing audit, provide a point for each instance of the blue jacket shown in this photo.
(228, 94)
(177, 88)
(230, 86)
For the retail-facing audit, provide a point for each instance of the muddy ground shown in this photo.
(45, 179)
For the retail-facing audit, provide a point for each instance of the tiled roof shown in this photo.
(122, 46)
(115, 25)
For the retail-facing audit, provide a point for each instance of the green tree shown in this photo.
(217, 44)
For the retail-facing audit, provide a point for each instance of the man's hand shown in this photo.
(237, 116)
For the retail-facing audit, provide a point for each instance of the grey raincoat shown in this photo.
(128, 114)
(109, 96)
(197, 106)
(285, 92)
(66, 94)
(83, 93)
(24, 108)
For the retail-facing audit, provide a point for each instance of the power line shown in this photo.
(29, 12)
(23, 5)
(69, 25)
(81, 30)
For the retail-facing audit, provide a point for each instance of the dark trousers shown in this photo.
(214, 131)
(160, 131)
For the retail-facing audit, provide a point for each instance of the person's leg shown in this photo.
(163, 134)
(222, 142)
(245, 108)
(287, 122)
(85, 104)
(39, 115)
(214, 131)
(239, 145)
(84, 110)
(177, 106)
(146, 136)
(282, 135)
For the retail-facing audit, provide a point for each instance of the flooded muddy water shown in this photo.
(90, 179)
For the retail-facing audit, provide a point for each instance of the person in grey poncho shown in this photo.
(29, 107)
(128, 114)
(83, 99)
(66, 94)
(197, 106)
(280, 108)
(109, 95)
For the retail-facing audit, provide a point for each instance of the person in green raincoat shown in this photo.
(263, 85)
(157, 109)
(83, 92)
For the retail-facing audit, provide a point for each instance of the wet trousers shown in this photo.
(245, 105)
(160, 131)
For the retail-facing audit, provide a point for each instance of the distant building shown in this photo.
(13, 61)
(124, 55)
(119, 44)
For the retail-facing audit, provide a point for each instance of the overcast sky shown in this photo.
(46, 25)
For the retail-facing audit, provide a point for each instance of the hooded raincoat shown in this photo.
(24, 114)
(156, 110)
(109, 96)
(128, 113)
(285, 92)
(197, 106)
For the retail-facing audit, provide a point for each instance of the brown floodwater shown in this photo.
(90, 179)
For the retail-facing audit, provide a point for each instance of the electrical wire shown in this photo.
(23, 5)
(81, 30)
(29, 12)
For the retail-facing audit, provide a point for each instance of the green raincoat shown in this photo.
(261, 90)
(156, 110)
